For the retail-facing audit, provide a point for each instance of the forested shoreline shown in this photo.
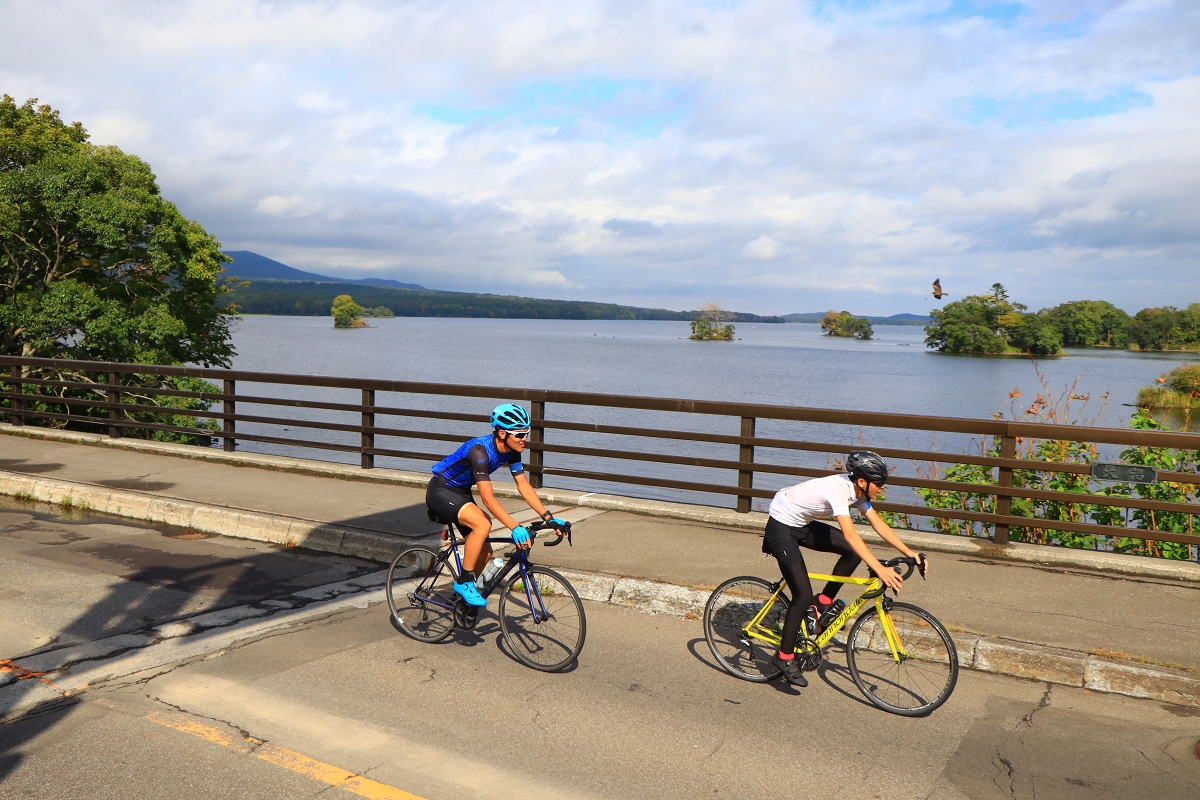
(992, 324)
(311, 299)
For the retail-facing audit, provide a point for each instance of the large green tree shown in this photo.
(1167, 328)
(94, 263)
(989, 323)
(1091, 323)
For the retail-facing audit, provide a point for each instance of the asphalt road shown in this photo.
(345, 706)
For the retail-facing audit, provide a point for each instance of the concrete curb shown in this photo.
(979, 652)
(1058, 557)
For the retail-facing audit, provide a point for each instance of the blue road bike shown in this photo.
(541, 615)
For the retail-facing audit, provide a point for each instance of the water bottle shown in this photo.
(490, 571)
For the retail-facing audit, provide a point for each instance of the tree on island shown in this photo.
(347, 313)
(846, 324)
(96, 265)
(1091, 323)
(708, 325)
(1166, 328)
(989, 323)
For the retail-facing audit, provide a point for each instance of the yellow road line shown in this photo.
(288, 759)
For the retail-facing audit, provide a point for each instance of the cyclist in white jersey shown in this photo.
(793, 523)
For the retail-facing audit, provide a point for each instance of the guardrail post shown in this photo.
(746, 456)
(1008, 449)
(114, 396)
(368, 421)
(229, 444)
(537, 435)
(15, 417)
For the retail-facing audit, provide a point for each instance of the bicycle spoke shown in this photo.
(549, 635)
(915, 676)
(728, 615)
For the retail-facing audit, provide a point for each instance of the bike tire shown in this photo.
(917, 684)
(552, 644)
(729, 609)
(418, 568)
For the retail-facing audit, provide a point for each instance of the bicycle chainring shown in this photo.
(808, 655)
(465, 616)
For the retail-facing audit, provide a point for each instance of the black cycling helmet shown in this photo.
(865, 464)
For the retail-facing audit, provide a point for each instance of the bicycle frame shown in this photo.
(519, 559)
(755, 629)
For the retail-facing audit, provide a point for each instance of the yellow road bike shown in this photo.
(899, 655)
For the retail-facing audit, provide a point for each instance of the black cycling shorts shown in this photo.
(446, 501)
(784, 541)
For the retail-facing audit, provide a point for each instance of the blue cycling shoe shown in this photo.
(468, 591)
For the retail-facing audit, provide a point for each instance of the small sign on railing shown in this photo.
(1124, 473)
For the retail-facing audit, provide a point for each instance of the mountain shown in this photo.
(252, 266)
(894, 319)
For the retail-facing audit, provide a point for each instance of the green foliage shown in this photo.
(1166, 328)
(95, 264)
(1178, 389)
(1043, 513)
(345, 312)
(1164, 460)
(989, 323)
(1091, 323)
(845, 324)
(379, 312)
(708, 326)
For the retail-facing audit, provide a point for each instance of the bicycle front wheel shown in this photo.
(910, 669)
(548, 634)
(420, 594)
(727, 615)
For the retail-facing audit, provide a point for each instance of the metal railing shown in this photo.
(100, 401)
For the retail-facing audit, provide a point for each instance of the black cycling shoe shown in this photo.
(791, 670)
(830, 612)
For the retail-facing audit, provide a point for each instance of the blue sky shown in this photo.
(771, 156)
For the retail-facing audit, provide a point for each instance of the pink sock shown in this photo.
(823, 600)
(786, 656)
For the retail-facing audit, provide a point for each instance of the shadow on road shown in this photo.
(151, 575)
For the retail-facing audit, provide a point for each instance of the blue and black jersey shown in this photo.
(475, 461)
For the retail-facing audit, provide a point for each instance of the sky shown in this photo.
(769, 156)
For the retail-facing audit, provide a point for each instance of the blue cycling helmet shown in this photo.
(510, 417)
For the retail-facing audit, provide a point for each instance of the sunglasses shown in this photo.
(518, 434)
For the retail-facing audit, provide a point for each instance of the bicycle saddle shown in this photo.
(436, 518)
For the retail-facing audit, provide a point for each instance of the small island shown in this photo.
(710, 324)
(847, 325)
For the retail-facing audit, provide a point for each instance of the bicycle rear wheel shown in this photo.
(916, 681)
(420, 594)
(728, 611)
(551, 641)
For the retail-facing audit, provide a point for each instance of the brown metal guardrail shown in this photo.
(742, 465)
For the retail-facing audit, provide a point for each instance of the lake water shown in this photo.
(777, 364)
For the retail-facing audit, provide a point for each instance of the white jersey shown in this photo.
(831, 496)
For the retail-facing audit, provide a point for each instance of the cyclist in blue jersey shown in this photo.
(449, 492)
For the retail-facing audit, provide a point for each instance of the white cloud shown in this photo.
(636, 152)
(764, 248)
(291, 206)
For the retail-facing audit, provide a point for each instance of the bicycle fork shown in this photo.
(528, 581)
(890, 633)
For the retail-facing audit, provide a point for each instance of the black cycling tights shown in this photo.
(784, 542)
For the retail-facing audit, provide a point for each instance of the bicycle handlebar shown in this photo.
(911, 563)
(565, 530)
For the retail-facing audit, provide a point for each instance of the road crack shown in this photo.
(254, 741)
